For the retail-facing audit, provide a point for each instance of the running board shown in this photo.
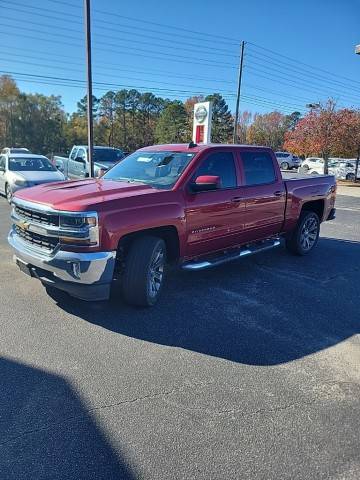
(233, 255)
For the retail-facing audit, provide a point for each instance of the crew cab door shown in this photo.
(214, 218)
(263, 191)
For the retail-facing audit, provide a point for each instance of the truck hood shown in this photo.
(82, 195)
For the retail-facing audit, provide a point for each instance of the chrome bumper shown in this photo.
(70, 271)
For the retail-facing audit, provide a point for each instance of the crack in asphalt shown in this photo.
(106, 406)
(166, 393)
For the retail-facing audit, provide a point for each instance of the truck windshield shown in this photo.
(159, 169)
(29, 164)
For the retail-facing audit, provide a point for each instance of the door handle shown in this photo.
(279, 193)
(236, 199)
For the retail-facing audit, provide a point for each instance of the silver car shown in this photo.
(287, 160)
(25, 170)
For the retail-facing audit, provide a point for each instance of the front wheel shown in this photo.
(306, 234)
(144, 270)
(284, 166)
(350, 176)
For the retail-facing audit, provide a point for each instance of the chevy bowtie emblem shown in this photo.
(24, 225)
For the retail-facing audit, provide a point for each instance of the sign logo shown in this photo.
(201, 114)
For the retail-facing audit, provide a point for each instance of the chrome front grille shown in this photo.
(37, 240)
(37, 217)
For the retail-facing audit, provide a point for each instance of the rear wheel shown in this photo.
(306, 234)
(144, 270)
(8, 193)
(350, 176)
(284, 166)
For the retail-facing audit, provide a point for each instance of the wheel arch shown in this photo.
(317, 206)
(168, 233)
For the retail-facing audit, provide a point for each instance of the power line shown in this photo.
(109, 67)
(303, 85)
(171, 46)
(302, 63)
(174, 58)
(317, 77)
(107, 23)
(81, 83)
(162, 25)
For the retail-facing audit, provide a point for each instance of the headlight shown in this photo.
(21, 183)
(79, 229)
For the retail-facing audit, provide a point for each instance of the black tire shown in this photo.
(350, 176)
(8, 193)
(284, 166)
(308, 227)
(138, 284)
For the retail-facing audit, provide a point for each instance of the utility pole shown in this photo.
(235, 136)
(89, 87)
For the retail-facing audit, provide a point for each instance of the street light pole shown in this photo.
(89, 87)
(235, 136)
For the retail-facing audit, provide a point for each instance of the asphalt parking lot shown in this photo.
(251, 370)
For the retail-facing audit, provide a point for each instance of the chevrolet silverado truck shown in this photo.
(196, 205)
(76, 166)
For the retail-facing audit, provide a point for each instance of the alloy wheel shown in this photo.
(309, 233)
(156, 272)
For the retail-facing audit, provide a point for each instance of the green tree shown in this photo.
(82, 106)
(9, 97)
(171, 127)
(222, 121)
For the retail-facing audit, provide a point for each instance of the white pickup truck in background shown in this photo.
(76, 166)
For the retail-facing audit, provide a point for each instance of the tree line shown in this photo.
(130, 119)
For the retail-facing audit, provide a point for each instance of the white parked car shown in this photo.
(8, 150)
(345, 170)
(19, 170)
(287, 160)
(313, 163)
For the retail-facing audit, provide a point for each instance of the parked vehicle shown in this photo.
(287, 160)
(8, 150)
(312, 163)
(76, 166)
(196, 205)
(19, 171)
(341, 168)
(345, 170)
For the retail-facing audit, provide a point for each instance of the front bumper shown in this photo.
(83, 275)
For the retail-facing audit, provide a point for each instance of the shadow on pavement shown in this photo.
(270, 309)
(46, 432)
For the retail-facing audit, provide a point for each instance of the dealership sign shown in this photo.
(202, 122)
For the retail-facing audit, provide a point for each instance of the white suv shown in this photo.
(287, 160)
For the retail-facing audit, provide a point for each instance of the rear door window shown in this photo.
(258, 168)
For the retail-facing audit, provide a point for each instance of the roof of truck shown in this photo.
(187, 147)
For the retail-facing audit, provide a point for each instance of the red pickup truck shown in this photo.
(197, 205)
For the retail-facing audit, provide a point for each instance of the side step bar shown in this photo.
(202, 264)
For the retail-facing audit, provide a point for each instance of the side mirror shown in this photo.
(206, 183)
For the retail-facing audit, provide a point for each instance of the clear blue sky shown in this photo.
(46, 38)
